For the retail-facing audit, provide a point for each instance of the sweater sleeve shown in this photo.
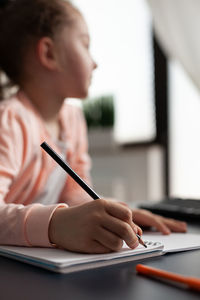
(26, 225)
(19, 225)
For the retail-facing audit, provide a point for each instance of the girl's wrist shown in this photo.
(53, 225)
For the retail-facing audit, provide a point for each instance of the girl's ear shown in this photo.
(46, 53)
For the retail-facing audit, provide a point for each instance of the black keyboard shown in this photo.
(184, 209)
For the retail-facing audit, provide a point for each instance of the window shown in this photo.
(121, 43)
(184, 140)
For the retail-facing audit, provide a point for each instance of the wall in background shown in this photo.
(129, 175)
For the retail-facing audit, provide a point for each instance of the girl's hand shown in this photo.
(98, 226)
(143, 217)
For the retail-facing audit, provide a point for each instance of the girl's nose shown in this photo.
(94, 65)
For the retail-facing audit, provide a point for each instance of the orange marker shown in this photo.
(190, 282)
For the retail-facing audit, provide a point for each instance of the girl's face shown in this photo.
(74, 59)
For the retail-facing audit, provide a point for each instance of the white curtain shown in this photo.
(177, 25)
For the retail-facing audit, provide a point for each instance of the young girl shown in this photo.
(44, 50)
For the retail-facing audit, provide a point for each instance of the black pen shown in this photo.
(141, 241)
(75, 176)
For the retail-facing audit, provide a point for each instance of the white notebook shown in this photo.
(65, 262)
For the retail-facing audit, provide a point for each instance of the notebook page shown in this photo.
(175, 242)
(64, 258)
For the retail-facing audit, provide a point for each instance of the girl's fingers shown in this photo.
(97, 248)
(139, 230)
(109, 239)
(136, 228)
(157, 222)
(119, 211)
(166, 226)
(122, 229)
(175, 226)
(162, 224)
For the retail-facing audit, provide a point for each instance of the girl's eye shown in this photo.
(87, 46)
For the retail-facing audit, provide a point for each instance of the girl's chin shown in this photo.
(80, 94)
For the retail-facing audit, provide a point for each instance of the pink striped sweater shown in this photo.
(25, 169)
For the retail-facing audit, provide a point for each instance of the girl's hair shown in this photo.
(22, 24)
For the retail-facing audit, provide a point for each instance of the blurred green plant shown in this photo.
(99, 111)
